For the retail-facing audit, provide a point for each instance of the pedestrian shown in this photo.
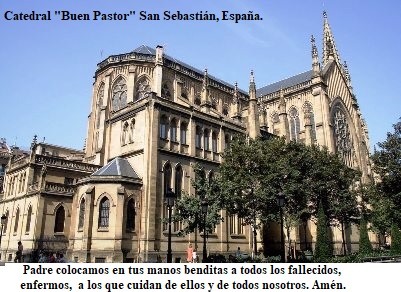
(190, 253)
(61, 258)
(18, 254)
(194, 257)
(238, 252)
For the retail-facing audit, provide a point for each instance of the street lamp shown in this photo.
(280, 203)
(204, 205)
(169, 200)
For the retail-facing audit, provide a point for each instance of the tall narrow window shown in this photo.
(173, 130)
(198, 137)
(119, 98)
(227, 141)
(178, 181)
(130, 225)
(206, 139)
(294, 124)
(183, 136)
(163, 127)
(16, 221)
(167, 177)
(81, 219)
(104, 210)
(60, 219)
(28, 220)
(214, 142)
(6, 224)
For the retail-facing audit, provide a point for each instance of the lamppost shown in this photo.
(280, 203)
(204, 205)
(169, 200)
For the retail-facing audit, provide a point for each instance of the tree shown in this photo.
(323, 248)
(243, 183)
(189, 206)
(387, 164)
(365, 247)
(330, 185)
(395, 239)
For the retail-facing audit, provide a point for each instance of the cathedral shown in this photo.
(152, 118)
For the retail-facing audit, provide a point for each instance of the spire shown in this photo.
(329, 45)
(284, 126)
(315, 58)
(253, 114)
(205, 79)
(252, 87)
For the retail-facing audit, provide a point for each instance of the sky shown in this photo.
(47, 67)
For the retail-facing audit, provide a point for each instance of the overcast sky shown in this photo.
(47, 67)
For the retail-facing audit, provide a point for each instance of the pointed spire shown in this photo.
(281, 103)
(252, 86)
(329, 46)
(205, 79)
(236, 91)
(315, 58)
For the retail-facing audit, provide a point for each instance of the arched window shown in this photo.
(214, 142)
(104, 213)
(342, 136)
(163, 127)
(6, 224)
(124, 134)
(166, 91)
(198, 137)
(197, 100)
(143, 89)
(294, 124)
(173, 130)
(59, 220)
(130, 225)
(81, 219)
(28, 220)
(16, 221)
(167, 177)
(119, 98)
(225, 111)
(227, 141)
(178, 180)
(99, 104)
(206, 139)
(183, 136)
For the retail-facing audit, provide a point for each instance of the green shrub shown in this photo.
(395, 240)
(365, 247)
(323, 249)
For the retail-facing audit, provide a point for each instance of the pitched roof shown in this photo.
(117, 167)
(146, 50)
(291, 81)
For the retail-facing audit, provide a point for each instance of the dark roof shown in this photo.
(291, 81)
(146, 50)
(117, 167)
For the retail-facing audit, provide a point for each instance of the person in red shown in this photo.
(190, 251)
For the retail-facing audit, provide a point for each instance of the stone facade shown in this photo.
(152, 118)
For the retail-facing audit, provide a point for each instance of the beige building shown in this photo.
(152, 118)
